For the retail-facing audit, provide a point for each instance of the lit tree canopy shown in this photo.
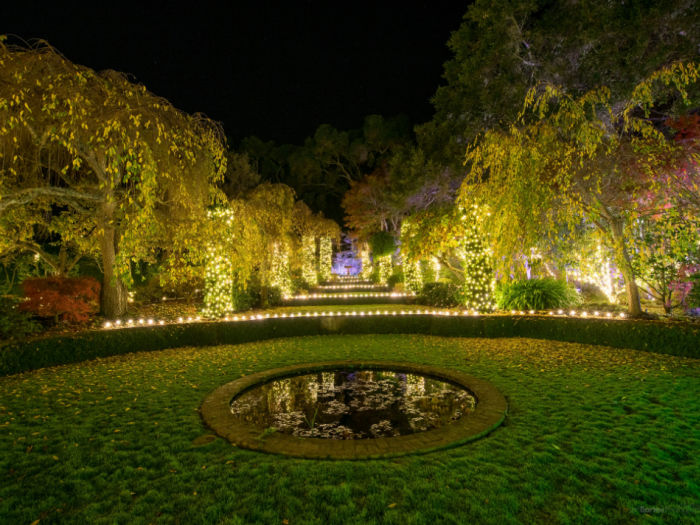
(122, 160)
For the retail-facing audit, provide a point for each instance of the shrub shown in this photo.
(14, 323)
(396, 277)
(70, 299)
(536, 294)
(693, 297)
(382, 244)
(444, 295)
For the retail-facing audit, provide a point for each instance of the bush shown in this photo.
(693, 297)
(444, 295)
(681, 339)
(381, 244)
(70, 299)
(14, 323)
(536, 294)
(396, 277)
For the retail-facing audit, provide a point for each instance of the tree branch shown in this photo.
(67, 196)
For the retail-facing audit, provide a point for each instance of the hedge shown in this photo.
(654, 336)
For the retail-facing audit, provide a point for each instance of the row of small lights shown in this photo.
(257, 317)
(346, 286)
(351, 295)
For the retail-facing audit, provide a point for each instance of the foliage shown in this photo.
(667, 251)
(70, 299)
(536, 294)
(220, 272)
(413, 276)
(14, 322)
(442, 295)
(504, 48)
(693, 298)
(573, 159)
(325, 258)
(477, 289)
(397, 276)
(118, 160)
(384, 268)
(382, 244)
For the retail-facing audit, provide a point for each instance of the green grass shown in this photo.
(594, 435)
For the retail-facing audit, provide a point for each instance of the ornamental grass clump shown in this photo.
(536, 294)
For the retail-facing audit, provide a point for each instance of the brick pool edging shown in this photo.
(490, 411)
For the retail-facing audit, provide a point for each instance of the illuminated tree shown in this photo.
(308, 254)
(325, 258)
(478, 287)
(219, 280)
(573, 159)
(122, 160)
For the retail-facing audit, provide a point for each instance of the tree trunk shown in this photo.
(634, 307)
(113, 300)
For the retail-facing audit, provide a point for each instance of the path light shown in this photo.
(596, 313)
(108, 325)
(118, 322)
(560, 312)
(608, 314)
(572, 312)
(531, 312)
(551, 313)
(584, 314)
(151, 321)
(622, 314)
(161, 322)
(179, 320)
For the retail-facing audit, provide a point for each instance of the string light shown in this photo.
(325, 258)
(479, 283)
(308, 256)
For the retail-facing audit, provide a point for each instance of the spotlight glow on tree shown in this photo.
(308, 268)
(325, 258)
(478, 287)
(219, 270)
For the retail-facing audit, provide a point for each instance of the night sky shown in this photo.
(275, 71)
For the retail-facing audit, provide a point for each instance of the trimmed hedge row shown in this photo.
(665, 338)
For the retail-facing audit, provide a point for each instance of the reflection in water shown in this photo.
(353, 404)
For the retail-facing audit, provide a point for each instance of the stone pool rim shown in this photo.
(490, 411)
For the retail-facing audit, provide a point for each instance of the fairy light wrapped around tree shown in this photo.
(385, 269)
(478, 287)
(308, 264)
(280, 276)
(325, 258)
(366, 262)
(219, 269)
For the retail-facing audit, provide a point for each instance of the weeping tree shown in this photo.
(570, 159)
(125, 164)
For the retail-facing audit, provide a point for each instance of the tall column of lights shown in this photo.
(325, 258)
(308, 255)
(479, 283)
(435, 265)
(280, 276)
(384, 264)
(219, 271)
(366, 263)
(413, 276)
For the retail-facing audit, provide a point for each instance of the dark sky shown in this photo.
(275, 71)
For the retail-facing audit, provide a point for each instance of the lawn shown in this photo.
(594, 435)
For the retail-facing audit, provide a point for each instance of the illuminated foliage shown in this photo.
(573, 159)
(219, 269)
(308, 254)
(384, 268)
(123, 161)
(325, 258)
(280, 276)
(478, 287)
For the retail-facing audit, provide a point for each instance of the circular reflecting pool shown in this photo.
(353, 404)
